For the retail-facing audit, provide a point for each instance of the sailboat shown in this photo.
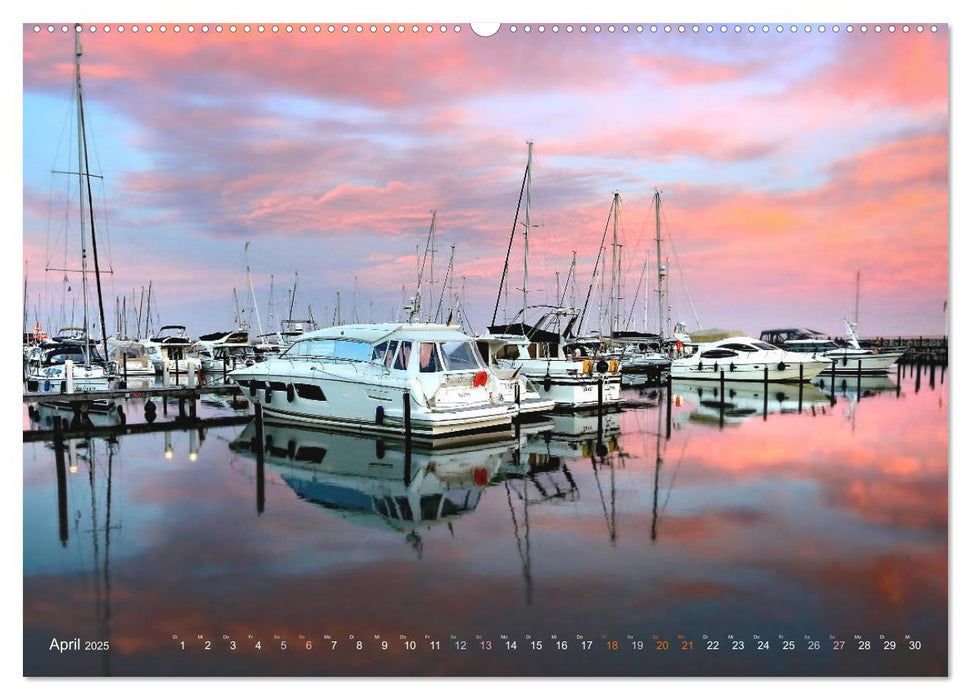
(74, 364)
(562, 369)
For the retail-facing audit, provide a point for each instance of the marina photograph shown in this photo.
(516, 350)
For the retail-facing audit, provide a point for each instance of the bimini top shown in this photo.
(376, 332)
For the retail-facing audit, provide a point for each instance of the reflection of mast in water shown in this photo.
(101, 578)
(609, 517)
(522, 543)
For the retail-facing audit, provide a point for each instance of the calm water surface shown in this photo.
(740, 524)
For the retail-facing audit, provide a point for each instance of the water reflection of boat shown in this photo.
(744, 400)
(377, 482)
(861, 387)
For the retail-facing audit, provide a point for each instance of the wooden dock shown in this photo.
(162, 392)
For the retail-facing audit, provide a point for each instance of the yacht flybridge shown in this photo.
(843, 359)
(222, 352)
(744, 359)
(374, 377)
(169, 349)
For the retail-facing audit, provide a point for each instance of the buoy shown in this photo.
(291, 393)
(782, 366)
(252, 389)
(547, 383)
(480, 476)
(602, 366)
(379, 415)
(268, 396)
(480, 379)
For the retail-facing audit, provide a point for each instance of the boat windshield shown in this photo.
(461, 355)
(57, 356)
(331, 348)
(764, 346)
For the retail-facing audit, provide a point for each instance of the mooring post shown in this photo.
(190, 379)
(832, 386)
(765, 393)
(165, 372)
(192, 407)
(859, 375)
(800, 386)
(721, 401)
(406, 409)
(918, 370)
(667, 434)
(181, 407)
(61, 481)
(260, 453)
(69, 376)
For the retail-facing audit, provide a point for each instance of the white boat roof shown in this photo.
(376, 332)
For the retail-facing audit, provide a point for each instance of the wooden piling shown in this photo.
(61, 481)
(859, 375)
(406, 412)
(260, 455)
(721, 402)
(667, 434)
(765, 393)
(832, 386)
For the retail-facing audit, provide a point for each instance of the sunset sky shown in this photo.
(788, 162)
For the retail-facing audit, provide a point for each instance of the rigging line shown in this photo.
(684, 284)
(633, 305)
(593, 280)
(512, 236)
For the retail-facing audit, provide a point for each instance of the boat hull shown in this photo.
(362, 404)
(748, 372)
(877, 363)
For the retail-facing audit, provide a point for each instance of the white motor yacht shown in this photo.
(224, 352)
(169, 348)
(742, 358)
(365, 377)
(568, 373)
(843, 359)
(66, 365)
(131, 357)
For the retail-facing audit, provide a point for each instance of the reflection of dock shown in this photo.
(69, 431)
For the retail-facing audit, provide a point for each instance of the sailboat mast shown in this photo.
(529, 179)
(660, 273)
(84, 249)
(856, 312)
(614, 301)
(249, 278)
(83, 145)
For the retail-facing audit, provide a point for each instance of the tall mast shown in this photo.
(87, 176)
(613, 302)
(84, 249)
(269, 309)
(856, 313)
(293, 295)
(25, 299)
(660, 272)
(249, 278)
(529, 179)
(512, 236)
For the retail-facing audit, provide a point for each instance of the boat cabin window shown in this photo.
(539, 350)
(739, 347)
(718, 353)
(428, 360)
(764, 346)
(461, 355)
(508, 352)
(404, 355)
(338, 349)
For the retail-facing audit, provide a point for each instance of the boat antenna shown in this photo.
(512, 235)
